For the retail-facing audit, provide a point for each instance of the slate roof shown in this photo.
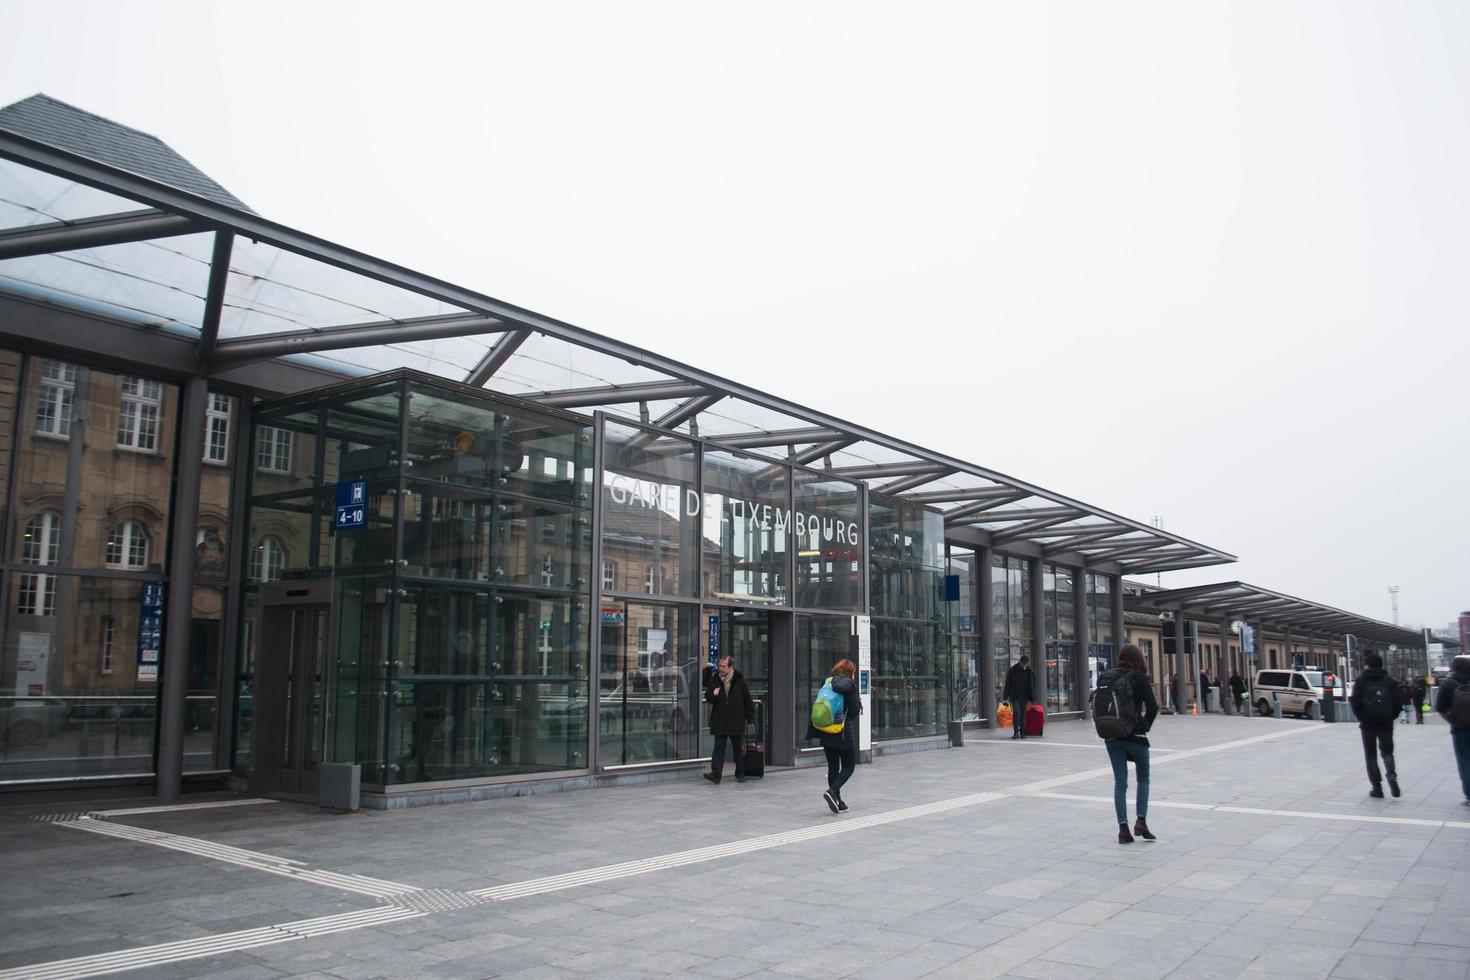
(65, 127)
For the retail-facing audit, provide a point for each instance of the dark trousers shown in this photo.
(840, 764)
(1461, 741)
(1380, 739)
(1018, 718)
(717, 761)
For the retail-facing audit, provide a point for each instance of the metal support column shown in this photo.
(1081, 675)
(179, 605)
(1038, 633)
(985, 617)
(1225, 663)
(1120, 629)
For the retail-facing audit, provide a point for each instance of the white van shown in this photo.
(1299, 691)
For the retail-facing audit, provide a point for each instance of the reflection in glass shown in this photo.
(650, 513)
(650, 706)
(829, 552)
(821, 641)
(746, 511)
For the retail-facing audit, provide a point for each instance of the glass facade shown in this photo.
(1059, 612)
(963, 629)
(911, 669)
(1010, 607)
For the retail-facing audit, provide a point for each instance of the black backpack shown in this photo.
(1114, 705)
(1460, 706)
(1376, 697)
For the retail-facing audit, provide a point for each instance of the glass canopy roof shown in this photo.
(86, 232)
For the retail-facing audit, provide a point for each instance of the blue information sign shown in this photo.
(150, 630)
(351, 504)
(714, 640)
(951, 588)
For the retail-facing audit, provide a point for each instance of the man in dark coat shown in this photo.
(731, 709)
(1417, 690)
(1018, 689)
(1237, 690)
(1377, 701)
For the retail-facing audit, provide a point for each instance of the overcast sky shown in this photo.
(1209, 262)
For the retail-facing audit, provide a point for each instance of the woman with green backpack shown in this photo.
(835, 725)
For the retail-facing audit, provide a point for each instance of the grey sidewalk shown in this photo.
(998, 859)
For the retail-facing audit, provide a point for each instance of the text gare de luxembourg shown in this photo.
(811, 527)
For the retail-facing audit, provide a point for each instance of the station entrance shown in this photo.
(289, 691)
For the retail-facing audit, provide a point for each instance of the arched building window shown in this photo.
(39, 545)
(267, 559)
(127, 546)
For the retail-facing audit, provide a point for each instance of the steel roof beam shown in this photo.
(1040, 513)
(1158, 547)
(968, 512)
(904, 485)
(1169, 566)
(813, 453)
(879, 470)
(1024, 530)
(1100, 533)
(214, 298)
(954, 496)
(354, 335)
(779, 437)
(673, 417)
(495, 358)
(617, 394)
(111, 229)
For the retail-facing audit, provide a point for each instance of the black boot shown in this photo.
(1140, 829)
(1123, 836)
(1393, 785)
(1376, 792)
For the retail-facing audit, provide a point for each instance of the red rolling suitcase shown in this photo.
(1035, 719)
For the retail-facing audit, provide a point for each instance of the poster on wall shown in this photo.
(32, 664)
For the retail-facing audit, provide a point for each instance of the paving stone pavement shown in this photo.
(998, 859)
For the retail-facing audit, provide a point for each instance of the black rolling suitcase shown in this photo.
(753, 752)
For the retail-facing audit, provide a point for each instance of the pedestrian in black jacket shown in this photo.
(731, 709)
(1134, 748)
(1417, 690)
(1377, 700)
(1444, 703)
(1237, 690)
(1017, 690)
(841, 747)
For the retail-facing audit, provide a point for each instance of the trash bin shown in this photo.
(1329, 708)
(956, 734)
(1212, 699)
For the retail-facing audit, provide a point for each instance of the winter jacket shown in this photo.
(1396, 691)
(852, 706)
(729, 713)
(1145, 706)
(1019, 685)
(1445, 699)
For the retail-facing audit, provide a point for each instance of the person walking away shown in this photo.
(1237, 691)
(1018, 690)
(1204, 691)
(841, 747)
(1417, 691)
(1124, 709)
(1377, 700)
(731, 709)
(1453, 704)
(1408, 697)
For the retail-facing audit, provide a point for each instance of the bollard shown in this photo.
(1276, 710)
(339, 786)
(956, 734)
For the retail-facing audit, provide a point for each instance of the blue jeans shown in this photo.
(1461, 742)
(1120, 751)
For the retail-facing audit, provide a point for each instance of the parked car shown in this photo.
(1299, 691)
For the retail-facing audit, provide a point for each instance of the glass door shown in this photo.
(289, 696)
(747, 638)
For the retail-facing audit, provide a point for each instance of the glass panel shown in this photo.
(829, 553)
(155, 283)
(281, 542)
(649, 678)
(245, 683)
(746, 514)
(488, 684)
(9, 392)
(271, 289)
(821, 641)
(34, 197)
(476, 443)
(201, 709)
(356, 701)
(72, 702)
(906, 542)
(909, 697)
(650, 514)
(122, 522)
(283, 453)
(469, 536)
